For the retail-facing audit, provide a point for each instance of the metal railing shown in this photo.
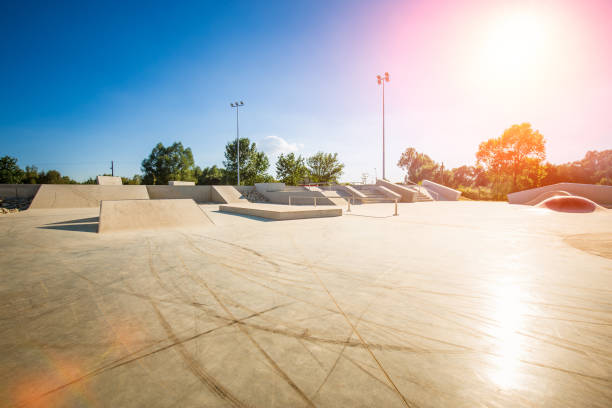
(314, 199)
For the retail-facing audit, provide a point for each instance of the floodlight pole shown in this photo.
(381, 80)
(237, 105)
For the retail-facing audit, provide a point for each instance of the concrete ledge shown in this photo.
(407, 195)
(81, 196)
(444, 193)
(281, 212)
(200, 194)
(129, 215)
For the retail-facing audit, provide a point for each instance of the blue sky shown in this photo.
(82, 84)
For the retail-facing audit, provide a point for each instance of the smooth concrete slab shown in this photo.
(449, 304)
(129, 215)
(282, 212)
(81, 196)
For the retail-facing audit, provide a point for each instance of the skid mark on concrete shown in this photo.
(269, 359)
(208, 380)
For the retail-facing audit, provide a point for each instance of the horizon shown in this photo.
(89, 84)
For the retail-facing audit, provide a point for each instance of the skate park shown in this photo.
(164, 293)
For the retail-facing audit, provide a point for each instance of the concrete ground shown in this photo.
(450, 304)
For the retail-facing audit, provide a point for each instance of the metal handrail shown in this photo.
(314, 198)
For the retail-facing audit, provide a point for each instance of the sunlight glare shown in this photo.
(515, 46)
(509, 310)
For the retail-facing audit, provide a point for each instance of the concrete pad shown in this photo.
(449, 304)
(80, 196)
(109, 181)
(129, 215)
(282, 212)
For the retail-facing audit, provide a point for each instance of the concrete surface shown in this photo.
(450, 304)
(200, 194)
(109, 181)
(80, 196)
(281, 212)
(442, 193)
(129, 215)
(602, 195)
(18, 190)
(545, 195)
(226, 195)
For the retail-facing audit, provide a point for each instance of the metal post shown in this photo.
(289, 200)
(395, 207)
(349, 206)
(238, 145)
(112, 168)
(381, 80)
(315, 200)
(237, 105)
(383, 126)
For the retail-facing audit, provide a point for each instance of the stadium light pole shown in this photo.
(237, 105)
(381, 80)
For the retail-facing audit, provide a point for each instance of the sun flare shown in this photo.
(515, 46)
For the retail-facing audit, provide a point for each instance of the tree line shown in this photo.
(176, 162)
(512, 162)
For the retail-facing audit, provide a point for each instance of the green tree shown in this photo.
(418, 166)
(290, 169)
(168, 163)
(515, 152)
(253, 163)
(324, 167)
(209, 176)
(136, 180)
(30, 175)
(54, 177)
(10, 173)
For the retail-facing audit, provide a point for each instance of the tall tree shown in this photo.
(418, 166)
(168, 163)
(290, 169)
(324, 167)
(253, 163)
(10, 173)
(514, 152)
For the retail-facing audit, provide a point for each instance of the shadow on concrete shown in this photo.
(80, 225)
(79, 221)
(250, 217)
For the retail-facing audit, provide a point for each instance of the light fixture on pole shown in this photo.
(381, 80)
(237, 105)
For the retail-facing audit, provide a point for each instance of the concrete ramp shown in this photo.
(226, 195)
(80, 196)
(130, 215)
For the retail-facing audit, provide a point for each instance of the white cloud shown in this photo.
(275, 145)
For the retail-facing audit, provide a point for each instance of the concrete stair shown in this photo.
(372, 194)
